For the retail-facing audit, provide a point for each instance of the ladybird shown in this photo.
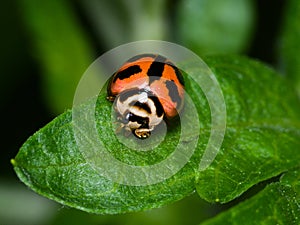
(147, 89)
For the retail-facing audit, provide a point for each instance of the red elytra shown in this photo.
(154, 73)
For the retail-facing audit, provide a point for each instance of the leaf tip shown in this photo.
(13, 162)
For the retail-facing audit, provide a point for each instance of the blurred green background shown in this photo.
(47, 45)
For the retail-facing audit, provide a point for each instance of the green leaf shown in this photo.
(212, 26)
(261, 137)
(51, 163)
(262, 133)
(60, 47)
(289, 43)
(278, 203)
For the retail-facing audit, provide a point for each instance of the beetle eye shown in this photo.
(122, 119)
(125, 119)
(127, 116)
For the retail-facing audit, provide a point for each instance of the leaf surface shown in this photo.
(278, 203)
(262, 133)
(261, 139)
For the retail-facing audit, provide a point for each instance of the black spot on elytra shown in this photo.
(173, 92)
(160, 58)
(178, 74)
(158, 106)
(127, 72)
(156, 68)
